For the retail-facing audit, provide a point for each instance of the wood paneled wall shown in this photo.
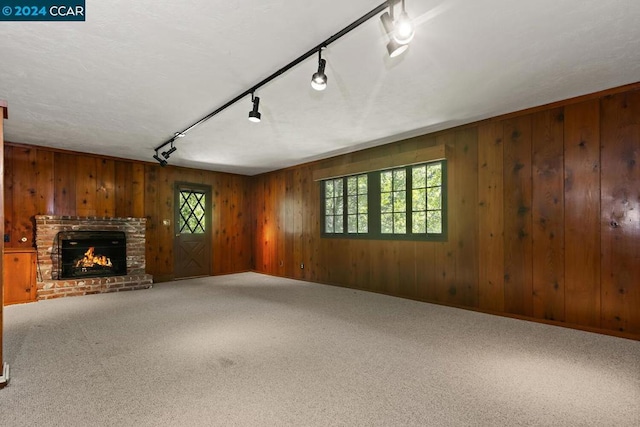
(40, 181)
(231, 222)
(544, 219)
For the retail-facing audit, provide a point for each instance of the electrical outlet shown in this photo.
(6, 238)
(302, 266)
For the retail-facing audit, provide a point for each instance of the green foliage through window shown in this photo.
(357, 204)
(393, 201)
(334, 206)
(192, 212)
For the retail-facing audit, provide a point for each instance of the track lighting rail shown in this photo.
(252, 89)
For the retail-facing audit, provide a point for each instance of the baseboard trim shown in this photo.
(4, 378)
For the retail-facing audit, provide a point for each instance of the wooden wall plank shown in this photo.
(86, 186)
(490, 217)
(465, 204)
(233, 225)
(548, 214)
(384, 267)
(311, 227)
(245, 216)
(123, 174)
(582, 213)
(220, 212)
(406, 279)
(446, 252)
(620, 223)
(166, 193)
(425, 271)
(285, 220)
(25, 198)
(65, 187)
(105, 188)
(45, 182)
(151, 207)
(228, 218)
(359, 264)
(265, 231)
(297, 216)
(517, 216)
(138, 191)
(8, 193)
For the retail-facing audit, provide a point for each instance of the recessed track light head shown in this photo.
(400, 30)
(319, 79)
(254, 115)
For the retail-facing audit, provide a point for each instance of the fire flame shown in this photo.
(90, 259)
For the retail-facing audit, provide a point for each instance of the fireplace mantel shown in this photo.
(49, 284)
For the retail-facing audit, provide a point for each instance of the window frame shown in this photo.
(374, 208)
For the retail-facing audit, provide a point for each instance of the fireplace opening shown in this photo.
(92, 254)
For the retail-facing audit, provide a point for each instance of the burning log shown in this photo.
(90, 259)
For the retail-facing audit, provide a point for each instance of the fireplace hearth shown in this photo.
(129, 275)
(92, 254)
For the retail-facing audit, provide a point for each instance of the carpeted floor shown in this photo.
(254, 350)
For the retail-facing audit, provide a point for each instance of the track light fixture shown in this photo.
(162, 162)
(319, 79)
(400, 31)
(254, 115)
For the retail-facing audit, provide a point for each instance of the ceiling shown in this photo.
(134, 73)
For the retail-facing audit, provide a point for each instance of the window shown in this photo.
(357, 204)
(345, 201)
(393, 201)
(407, 202)
(426, 198)
(334, 206)
(192, 212)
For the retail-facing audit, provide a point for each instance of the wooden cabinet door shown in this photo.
(19, 276)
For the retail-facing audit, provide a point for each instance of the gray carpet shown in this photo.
(252, 350)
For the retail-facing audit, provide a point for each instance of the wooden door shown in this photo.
(192, 242)
(19, 276)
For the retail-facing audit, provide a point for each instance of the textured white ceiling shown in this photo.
(134, 73)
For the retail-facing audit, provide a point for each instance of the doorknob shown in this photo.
(177, 234)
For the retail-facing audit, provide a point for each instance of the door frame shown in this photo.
(207, 189)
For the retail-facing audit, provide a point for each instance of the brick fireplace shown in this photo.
(51, 285)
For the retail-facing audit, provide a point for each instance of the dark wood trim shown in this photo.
(3, 368)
